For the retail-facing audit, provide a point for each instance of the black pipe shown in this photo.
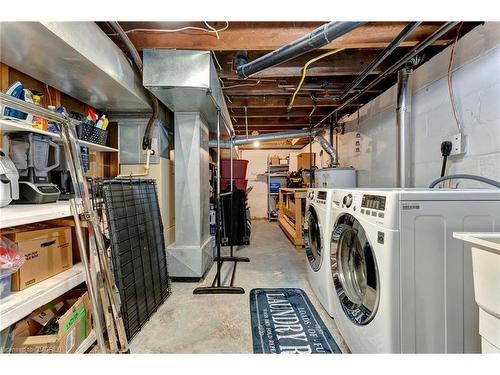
(136, 58)
(408, 56)
(316, 39)
(381, 57)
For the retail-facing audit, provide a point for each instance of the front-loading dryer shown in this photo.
(400, 282)
(316, 244)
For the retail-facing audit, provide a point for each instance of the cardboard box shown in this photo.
(72, 311)
(47, 250)
(74, 239)
(275, 160)
(306, 160)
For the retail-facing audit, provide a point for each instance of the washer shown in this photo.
(316, 242)
(400, 282)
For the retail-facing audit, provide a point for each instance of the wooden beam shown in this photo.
(262, 36)
(239, 113)
(241, 91)
(4, 77)
(268, 130)
(274, 101)
(275, 121)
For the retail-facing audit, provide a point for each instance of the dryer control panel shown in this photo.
(376, 202)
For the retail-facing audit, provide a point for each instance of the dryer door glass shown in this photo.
(354, 270)
(312, 239)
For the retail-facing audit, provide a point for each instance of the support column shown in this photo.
(191, 253)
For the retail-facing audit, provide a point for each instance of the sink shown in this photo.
(485, 249)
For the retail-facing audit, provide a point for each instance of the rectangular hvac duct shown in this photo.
(78, 59)
(186, 81)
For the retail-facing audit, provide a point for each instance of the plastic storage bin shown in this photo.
(91, 133)
(239, 168)
(238, 183)
(274, 187)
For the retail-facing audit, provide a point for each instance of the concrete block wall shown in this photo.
(257, 198)
(476, 84)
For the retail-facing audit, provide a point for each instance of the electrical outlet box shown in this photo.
(458, 144)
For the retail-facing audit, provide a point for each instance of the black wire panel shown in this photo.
(137, 249)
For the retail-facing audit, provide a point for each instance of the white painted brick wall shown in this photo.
(476, 83)
(258, 165)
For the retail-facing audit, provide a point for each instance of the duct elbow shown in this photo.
(329, 149)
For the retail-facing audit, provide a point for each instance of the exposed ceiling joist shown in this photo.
(239, 113)
(267, 36)
(275, 101)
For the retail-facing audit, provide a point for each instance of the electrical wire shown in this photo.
(313, 110)
(450, 83)
(210, 30)
(448, 26)
(216, 60)
(242, 84)
(304, 72)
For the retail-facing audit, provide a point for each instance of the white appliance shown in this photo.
(400, 282)
(9, 185)
(486, 268)
(335, 177)
(316, 224)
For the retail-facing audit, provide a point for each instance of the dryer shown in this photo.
(400, 282)
(316, 242)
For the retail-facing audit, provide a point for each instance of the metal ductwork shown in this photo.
(316, 134)
(403, 120)
(136, 58)
(244, 140)
(186, 81)
(318, 38)
(327, 146)
(78, 59)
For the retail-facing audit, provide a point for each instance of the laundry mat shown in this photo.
(284, 321)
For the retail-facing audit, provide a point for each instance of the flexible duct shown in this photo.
(329, 149)
(146, 139)
(243, 140)
(318, 38)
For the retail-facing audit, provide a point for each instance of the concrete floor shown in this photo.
(188, 323)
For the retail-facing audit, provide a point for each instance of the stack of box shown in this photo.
(58, 327)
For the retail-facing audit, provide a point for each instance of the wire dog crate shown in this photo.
(137, 248)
